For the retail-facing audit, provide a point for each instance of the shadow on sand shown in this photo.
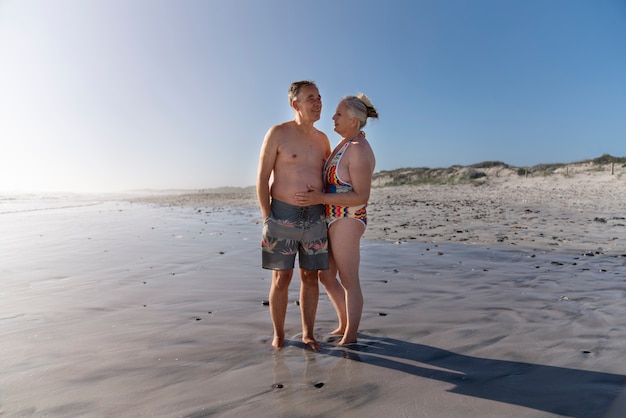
(557, 390)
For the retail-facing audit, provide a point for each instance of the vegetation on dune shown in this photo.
(490, 164)
(478, 173)
(438, 176)
(609, 159)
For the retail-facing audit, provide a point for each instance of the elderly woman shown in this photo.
(348, 177)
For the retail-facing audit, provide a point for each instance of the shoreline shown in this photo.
(585, 212)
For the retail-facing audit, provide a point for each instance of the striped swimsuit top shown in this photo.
(334, 184)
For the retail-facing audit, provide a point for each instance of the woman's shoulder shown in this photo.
(360, 146)
(360, 151)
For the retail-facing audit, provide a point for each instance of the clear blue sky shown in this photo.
(111, 95)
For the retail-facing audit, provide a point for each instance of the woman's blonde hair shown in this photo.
(360, 107)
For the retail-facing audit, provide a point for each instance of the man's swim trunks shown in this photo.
(292, 230)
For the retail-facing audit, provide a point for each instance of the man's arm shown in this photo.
(267, 159)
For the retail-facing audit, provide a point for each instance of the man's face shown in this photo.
(309, 103)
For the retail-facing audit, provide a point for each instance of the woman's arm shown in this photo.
(360, 164)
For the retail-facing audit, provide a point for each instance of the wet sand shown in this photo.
(505, 299)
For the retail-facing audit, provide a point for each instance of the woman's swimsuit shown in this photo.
(334, 184)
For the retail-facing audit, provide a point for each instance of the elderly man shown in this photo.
(291, 160)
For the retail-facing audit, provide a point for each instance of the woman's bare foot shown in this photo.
(347, 342)
(338, 331)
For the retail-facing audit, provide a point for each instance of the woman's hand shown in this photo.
(311, 197)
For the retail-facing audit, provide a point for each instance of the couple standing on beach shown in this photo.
(313, 202)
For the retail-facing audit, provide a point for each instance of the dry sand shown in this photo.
(499, 300)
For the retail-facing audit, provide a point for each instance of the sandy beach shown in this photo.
(499, 299)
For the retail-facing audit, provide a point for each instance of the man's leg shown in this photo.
(309, 295)
(279, 296)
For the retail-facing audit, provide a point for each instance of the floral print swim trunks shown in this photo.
(292, 230)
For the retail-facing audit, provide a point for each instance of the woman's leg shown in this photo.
(335, 293)
(345, 238)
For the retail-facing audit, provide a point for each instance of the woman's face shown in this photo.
(343, 121)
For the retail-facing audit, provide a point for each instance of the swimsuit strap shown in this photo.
(331, 168)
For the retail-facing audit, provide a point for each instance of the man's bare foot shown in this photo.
(278, 342)
(311, 343)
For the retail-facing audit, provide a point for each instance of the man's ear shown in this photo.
(294, 104)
